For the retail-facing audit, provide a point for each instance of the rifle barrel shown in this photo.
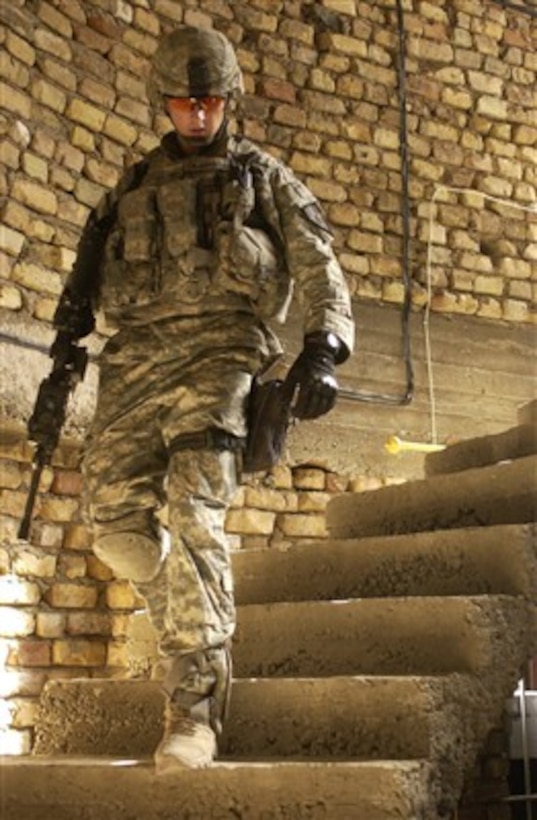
(24, 528)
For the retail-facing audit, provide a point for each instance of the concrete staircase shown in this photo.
(369, 668)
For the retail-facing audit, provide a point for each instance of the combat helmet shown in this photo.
(194, 62)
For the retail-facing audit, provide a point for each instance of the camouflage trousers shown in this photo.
(155, 385)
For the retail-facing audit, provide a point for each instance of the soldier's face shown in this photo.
(196, 119)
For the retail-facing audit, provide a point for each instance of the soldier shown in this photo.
(188, 257)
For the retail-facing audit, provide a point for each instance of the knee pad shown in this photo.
(130, 555)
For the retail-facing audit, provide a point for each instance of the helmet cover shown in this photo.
(194, 62)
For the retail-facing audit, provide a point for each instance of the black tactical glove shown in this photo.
(313, 374)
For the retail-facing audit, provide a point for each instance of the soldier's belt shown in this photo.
(211, 439)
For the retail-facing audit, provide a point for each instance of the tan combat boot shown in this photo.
(197, 692)
(188, 740)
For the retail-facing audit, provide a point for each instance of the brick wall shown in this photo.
(322, 91)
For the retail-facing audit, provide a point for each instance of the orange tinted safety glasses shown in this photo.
(187, 105)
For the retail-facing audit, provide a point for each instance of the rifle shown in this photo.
(48, 417)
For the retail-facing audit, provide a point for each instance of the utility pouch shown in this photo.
(269, 417)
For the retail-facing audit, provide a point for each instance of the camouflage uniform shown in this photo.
(195, 253)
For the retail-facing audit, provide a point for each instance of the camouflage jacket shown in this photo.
(230, 229)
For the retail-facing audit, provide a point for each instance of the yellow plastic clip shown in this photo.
(395, 445)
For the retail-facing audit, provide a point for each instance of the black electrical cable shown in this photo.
(15, 340)
(406, 397)
(7, 338)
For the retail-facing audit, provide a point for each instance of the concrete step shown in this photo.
(100, 789)
(374, 636)
(516, 442)
(449, 562)
(338, 718)
(502, 494)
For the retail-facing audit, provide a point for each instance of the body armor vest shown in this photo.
(186, 240)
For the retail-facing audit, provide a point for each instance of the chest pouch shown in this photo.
(131, 274)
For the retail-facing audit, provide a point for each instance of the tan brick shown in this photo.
(309, 478)
(58, 509)
(345, 214)
(120, 595)
(327, 191)
(102, 173)
(34, 563)
(515, 269)
(393, 292)
(35, 166)
(67, 482)
(120, 130)
(308, 164)
(88, 192)
(168, 8)
(476, 262)
(79, 653)
(20, 48)
(336, 483)
(365, 242)
(10, 297)
(265, 498)
(463, 279)
(49, 95)
(59, 73)
(492, 107)
(134, 111)
(525, 135)
(12, 503)
(99, 93)
(83, 139)
(74, 213)
(489, 285)
(77, 537)
(69, 156)
(18, 591)
(15, 622)
(13, 71)
(58, 46)
(71, 596)
(489, 309)
(30, 653)
(36, 196)
(55, 20)
(322, 81)
(251, 522)
(11, 241)
(24, 712)
(10, 154)
(89, 623)
(97, 570)
(515, 311)
(72, 566)
(312, 501)
(457, 99)
(50, 624)
(281, 477)
(86, 114)
(302, 526)
(520, 290)
(118, 655)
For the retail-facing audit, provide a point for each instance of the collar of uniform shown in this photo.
(218, 147)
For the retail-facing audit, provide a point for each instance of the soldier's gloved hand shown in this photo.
(313, 374)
